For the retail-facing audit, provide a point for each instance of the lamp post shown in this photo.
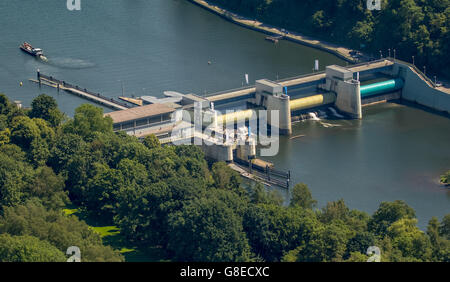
(121, 82)
(394, 54)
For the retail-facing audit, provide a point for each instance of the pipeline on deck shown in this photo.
(236, 117)
(317, 100)
(381, 87)
(312, 101)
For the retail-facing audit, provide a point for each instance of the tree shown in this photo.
(208, 229)
(301, 196)
(53, 226)
(226, 178)
(359, 243)
(445, 178)
(259, 195)
(388, 213)
(100, 194)
(65, 149)
(88, 119)
(49, 188)
(24, 131)
(273, 230)
(15, 177)
(328, 243)
(5, 106)
(151, 141)
(444, 228)
(46, 108)
(28, 249)
(406, 237)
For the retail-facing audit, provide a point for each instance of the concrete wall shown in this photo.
(270, 96)
(281, 104)
(417, 90)
(217, 152)
(348, 98)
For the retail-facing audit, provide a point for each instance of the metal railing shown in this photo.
(68, 85)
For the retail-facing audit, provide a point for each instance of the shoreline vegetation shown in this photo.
(410, 30)
(75, 182)
(341, 52)
(445, 179)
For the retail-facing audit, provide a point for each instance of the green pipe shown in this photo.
(381, 87)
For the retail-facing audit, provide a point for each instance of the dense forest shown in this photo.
(419, 28)
(171, 198)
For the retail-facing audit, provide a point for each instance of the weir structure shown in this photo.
(191, 118)
(343, 89)
(346, 89)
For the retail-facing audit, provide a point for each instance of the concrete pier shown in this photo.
(270, 95)
(84, 93)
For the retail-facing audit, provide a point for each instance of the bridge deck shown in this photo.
(97, 98)
(298, 80)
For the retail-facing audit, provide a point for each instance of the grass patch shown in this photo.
(111, 236)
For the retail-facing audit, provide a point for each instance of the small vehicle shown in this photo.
(35, 52)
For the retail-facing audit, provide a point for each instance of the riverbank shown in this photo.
(339, 51)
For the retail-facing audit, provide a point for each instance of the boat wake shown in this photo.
(70, 63)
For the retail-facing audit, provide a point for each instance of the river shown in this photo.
(147, 47)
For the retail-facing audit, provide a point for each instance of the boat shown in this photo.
(35, 52)
(274, 39)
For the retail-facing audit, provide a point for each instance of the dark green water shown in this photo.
(395, 152)
(149, 46)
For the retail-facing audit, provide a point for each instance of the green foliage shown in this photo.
(409, 240)
(28, 249)
(226, 178)
(24, 131)
(88, 119)
(61, 231)
(301, 196)
(273, 230)
(445, 178)
(387, 214)
(15, 178)
(151, 141)
(5, 105)
(46, 108)
(444, 229)
(259, 195)
(165, 198)
(208, 229)
(413, 27)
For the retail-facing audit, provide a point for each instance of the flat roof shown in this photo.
(194, 97)
(268, 82)
(338, 68)
(139, 112)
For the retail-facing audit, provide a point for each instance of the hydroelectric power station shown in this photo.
(206, 120)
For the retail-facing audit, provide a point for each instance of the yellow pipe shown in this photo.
(312, 101)
(236, 116)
